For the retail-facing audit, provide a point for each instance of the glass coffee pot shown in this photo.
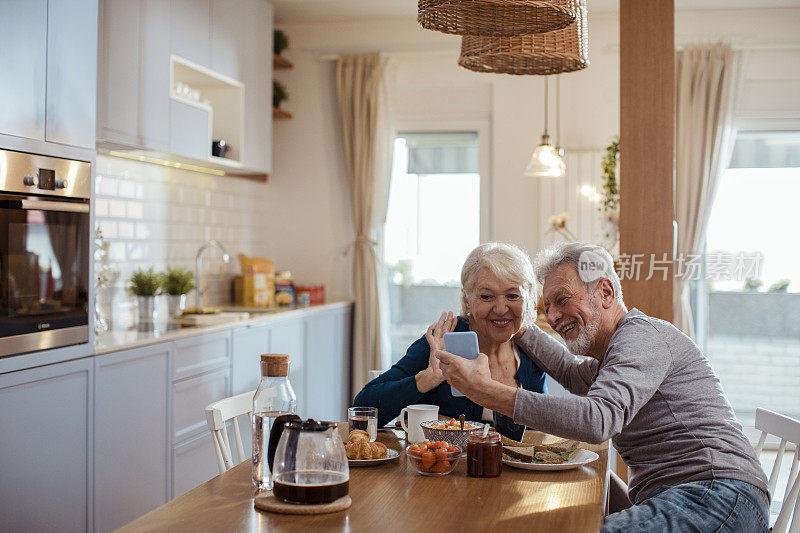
(307, 460)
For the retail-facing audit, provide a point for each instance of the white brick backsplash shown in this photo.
(126, 189)
(135, 210)
(108, 227)
(101, 207)
(117, 209)
(107, 186)
(158, 216)
(126, 230)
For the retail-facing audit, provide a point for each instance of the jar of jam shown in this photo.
(484, 454)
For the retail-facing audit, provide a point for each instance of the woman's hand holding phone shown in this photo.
(432, 376)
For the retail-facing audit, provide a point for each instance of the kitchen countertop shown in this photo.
(116, 340)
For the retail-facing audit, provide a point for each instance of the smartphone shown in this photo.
(463, 343)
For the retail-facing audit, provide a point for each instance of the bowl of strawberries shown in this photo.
(433, 458)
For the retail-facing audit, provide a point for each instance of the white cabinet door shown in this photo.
(131, 434)
(190, 398)
(191, 31)
(23, 61)
(257, 79)
(119, 57)
(201, 353)
(229, 18)
(248, 344)
(325, 372)
(287, 336)
(154, 90)
(45, 448)
(71, 72)
(193, 463)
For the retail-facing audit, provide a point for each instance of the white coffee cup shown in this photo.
(417, 414)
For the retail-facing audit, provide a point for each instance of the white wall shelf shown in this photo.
(222, 97)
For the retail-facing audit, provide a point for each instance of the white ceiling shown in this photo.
(298, 11)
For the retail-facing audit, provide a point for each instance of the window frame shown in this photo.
(449, 124)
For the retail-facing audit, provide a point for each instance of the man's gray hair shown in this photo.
(592, 263)
(508, 263)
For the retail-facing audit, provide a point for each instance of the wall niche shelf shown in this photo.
(220, 106)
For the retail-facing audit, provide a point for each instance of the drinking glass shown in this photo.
(365, 419)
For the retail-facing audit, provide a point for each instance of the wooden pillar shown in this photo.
(647, 154)
(647, 157)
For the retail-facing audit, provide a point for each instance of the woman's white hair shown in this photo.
(508, 263)
(592, 263)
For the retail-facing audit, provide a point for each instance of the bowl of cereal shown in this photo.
(449, 431)
(433, 458)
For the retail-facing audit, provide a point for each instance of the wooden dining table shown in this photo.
(393, 497)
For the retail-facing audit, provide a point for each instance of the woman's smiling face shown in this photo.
(496, 306)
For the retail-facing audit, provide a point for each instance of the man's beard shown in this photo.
(582, 342)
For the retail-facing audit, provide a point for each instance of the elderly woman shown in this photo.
(498, 298)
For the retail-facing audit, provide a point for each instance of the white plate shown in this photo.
(391, 455)
(581, 457)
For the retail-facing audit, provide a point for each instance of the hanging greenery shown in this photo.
(609, 166)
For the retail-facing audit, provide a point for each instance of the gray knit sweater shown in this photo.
(654, 395)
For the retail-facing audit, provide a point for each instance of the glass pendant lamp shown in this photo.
(545, 161)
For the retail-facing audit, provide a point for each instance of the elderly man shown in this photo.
(646, 386)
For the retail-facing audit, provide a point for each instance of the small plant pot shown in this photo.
(176, 303)
(148, 312)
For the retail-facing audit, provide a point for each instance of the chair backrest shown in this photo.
(788, 430)
(217, 416)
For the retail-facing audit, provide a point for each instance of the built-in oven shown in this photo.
(45, 246)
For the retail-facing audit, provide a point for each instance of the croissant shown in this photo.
(358, 449)
(357, 434)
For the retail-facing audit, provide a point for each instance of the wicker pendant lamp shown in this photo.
(494, 18)
(555, 52)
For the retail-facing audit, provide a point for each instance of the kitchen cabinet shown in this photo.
(48, 56)
(71, 108)
(46, 458)
(131, 434)
(194, 463)
(249, 343)
(190, 30)
(288, 336)
(328, 364)
(214, 46)
(23, 62)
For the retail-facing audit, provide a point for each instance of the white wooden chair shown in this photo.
(217, 416)
(788, 430)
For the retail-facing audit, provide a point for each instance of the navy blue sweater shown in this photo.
(397, 388)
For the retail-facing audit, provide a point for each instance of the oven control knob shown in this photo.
(29, 181)
(61, 184)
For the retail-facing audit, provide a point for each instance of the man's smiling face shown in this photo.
(571, 310)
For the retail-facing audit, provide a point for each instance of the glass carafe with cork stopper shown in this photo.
(273, 398)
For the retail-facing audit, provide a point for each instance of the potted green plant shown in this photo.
(176, 283)
(145, 284)
(279, 93)
(279, 42)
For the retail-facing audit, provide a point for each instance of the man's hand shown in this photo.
(474, 379)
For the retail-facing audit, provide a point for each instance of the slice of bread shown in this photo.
(548, 457)
(563, 447)
(511, 442)
(523, 454)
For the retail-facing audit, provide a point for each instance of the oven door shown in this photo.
(44, 273)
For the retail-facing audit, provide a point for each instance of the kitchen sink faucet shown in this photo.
(225, 257)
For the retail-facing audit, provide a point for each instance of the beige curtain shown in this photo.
(706, 79)
(358, 86)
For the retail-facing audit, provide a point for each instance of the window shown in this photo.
(752, 320)
(433, 221)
